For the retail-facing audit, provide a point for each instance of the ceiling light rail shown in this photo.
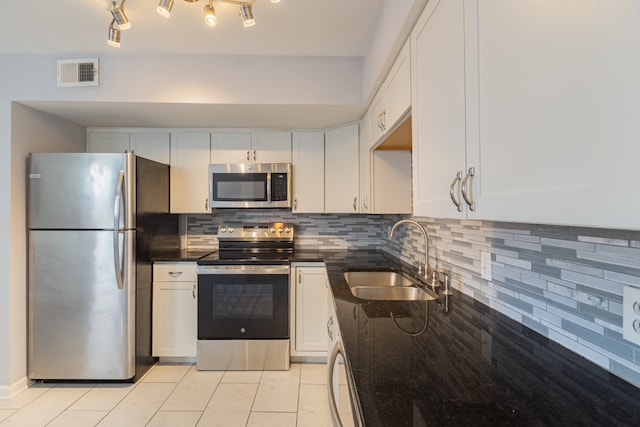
(164, 8)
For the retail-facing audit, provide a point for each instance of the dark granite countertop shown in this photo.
(472, 366)
(180, 255)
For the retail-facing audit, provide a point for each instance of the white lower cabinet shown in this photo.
(175, 310)
(309, 296)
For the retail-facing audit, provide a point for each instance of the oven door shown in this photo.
(243, 302)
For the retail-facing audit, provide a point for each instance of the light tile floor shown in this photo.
(179, 395)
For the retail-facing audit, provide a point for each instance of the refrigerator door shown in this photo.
(81, 191)
(82, 324)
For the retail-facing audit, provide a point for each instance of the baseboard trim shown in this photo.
(9, 391)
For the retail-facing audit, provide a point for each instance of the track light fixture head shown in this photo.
(210, 15)
(164, 7)
(119, 16)
(247, 15)
(114, 35)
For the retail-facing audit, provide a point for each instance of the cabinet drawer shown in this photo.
(174, 272)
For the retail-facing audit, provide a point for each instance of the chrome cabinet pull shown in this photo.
(468, 200)
(355, 203)
(206, 204)
(193, 292)
(456, 201)
(175, 273)
(248, 156)
(254, 156)
(299, 277)
(295, 203)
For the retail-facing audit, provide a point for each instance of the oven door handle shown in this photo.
(242, 269)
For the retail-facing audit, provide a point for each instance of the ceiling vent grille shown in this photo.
(77, 72)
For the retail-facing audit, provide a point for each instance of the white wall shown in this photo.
(31, 131)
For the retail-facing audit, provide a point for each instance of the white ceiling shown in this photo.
(290, 27)
(322, 28)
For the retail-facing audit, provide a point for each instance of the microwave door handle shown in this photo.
(269, 187)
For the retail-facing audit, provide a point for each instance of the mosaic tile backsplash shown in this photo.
(564, 282)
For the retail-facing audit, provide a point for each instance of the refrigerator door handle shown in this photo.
(117, 257)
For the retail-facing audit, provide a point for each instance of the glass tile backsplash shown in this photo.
(564, 282)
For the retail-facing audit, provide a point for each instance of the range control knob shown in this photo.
(230, 229)
(287, 230)
(272, 230)
(223, 229)
(280, 230)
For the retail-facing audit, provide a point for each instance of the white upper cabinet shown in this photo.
(190, 172)
(151, 145)
(438, 115)
(341, 169)
(530, 109)
(251, 147)
(271, 147)
(397, 87)
(365, 166)
(559, 85)
(394, 97)
(108, 142)
(231, 147)
(308, 171)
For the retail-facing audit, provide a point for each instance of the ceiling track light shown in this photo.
(210, 15)
(114, 35)
(164, 8)
(119, 16)
(247, 15)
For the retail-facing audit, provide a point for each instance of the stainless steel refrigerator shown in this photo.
(95, 221)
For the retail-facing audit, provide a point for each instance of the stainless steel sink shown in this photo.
(380, 293)
(385, 285)
(384, 278)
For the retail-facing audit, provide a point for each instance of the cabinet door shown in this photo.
(231, 147)
(365, 165)
(308, 171)
(151, 145)
(271, 147)
(438, 120)
(375, 115)
(559, 85)
(175, 318)
(311, 309)
(108, 142)
(189, 172)
(397, 87)
(341, 169)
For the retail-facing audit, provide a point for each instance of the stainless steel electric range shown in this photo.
(243, 299)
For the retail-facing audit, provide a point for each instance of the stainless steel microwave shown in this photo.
(256, 185)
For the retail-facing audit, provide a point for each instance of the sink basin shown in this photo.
(377, 278)
(385, 285)
(380, 293)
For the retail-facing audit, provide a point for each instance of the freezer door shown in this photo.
(81, 323)
(81, 191)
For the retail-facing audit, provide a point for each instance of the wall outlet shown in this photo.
(485, 265)
(631, 314)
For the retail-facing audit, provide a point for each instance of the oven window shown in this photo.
(240, 187)
(243, 306)
(243, 302)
